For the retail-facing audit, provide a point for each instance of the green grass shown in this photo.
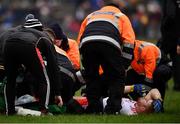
(171, 115)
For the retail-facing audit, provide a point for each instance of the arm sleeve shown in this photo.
(128, 39)
(150, 64)
(48, 51)
(81, 31)
(73, 54)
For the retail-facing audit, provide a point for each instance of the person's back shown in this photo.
(147, 67)
(28, 46)
(101, 38)
(3, 38)
(146, 57)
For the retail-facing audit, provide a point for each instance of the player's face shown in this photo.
(143, 105)
(57, 42)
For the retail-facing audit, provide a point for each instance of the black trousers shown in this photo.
(168, 46)
(93, 55)
(16, 54)
(160, 77)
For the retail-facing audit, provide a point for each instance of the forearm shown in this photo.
(128, 89)
(153, 94)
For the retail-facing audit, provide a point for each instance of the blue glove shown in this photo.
(141, 89)
(157, 105)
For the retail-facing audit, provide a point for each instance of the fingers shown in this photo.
(178, 49)
(59, 101)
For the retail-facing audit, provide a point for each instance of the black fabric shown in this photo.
(93, 55)
(161, 76)
(60, 35)
(170, 24)
(102, 28)
(20, 48)
(170, 35)
(15, 54)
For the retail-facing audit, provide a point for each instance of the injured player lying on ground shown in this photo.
(150, 103)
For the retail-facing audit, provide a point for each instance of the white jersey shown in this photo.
(128, 106)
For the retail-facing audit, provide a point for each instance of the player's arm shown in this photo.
(153, 94)
(141, 89)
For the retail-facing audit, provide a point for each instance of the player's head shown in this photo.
(59, 36)
(144, 106)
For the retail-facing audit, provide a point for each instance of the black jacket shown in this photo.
(170, 25)
(40, 40)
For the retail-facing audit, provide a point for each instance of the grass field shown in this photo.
(171, 115)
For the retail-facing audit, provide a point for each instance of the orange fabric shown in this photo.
(40, 57)
(125, 27)
(100, 70)
(73, 53)
(144, 61)
(81, 100)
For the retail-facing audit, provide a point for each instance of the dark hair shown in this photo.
(59, 34)
(178, 42)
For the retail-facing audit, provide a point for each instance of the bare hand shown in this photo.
(58, 101)
(178, 49)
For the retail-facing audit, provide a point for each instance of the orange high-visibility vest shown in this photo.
(120, 21)
(73, 53)
(146, 57)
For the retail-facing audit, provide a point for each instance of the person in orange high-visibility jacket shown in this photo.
(146, 67)
(106, 39)
(69, 45)
(73, 53)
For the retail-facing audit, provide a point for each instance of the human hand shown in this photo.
(157, 105)
(141, 89)
(59, 101)
(178, 49)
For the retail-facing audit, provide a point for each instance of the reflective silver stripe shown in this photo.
(48, 86)
(118, 14)
(67, 72)
(80, 77)
(5, 99)
(128, 45)
(114, 22)
(104, 19)
(159, 58)
(100, 37)
(148, 80)
(46, 77)
(127, 55)
(2, 67)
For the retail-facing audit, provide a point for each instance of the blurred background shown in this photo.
(145, 15)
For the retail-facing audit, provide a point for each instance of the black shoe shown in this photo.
(74, 107)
